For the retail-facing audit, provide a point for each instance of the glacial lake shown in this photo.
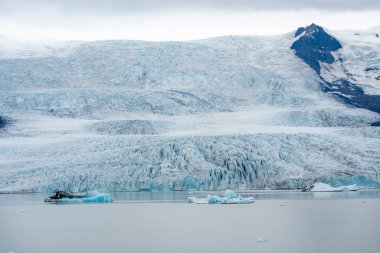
(279, 221)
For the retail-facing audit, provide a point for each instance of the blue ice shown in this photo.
(89, 197)
(230, 197)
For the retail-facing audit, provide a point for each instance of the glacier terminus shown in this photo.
(234, 112)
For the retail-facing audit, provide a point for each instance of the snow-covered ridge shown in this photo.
(236, 111)
(359, 60)
(325, 54)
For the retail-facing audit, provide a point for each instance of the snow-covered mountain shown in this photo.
(352, 73)
(247, 112)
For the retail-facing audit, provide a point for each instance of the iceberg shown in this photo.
(89, 197)
(322, 187)
(229, 198)
(360, 181)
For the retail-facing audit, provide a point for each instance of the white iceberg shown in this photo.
(89, 197)
(229, 198)
(322, 187)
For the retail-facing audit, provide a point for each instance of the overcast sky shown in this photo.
(176, 19)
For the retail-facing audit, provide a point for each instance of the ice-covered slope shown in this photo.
(348, 69)
(237, 111)
(360, 60)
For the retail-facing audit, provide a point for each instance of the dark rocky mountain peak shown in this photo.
(314, 45)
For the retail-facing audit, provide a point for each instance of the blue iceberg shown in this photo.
(88, 197)
(360, 181)
(229, 198)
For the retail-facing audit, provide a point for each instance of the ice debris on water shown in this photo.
(261, 240)
(88, 197)
(322, 187)
(230, 197)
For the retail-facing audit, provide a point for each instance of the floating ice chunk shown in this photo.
(89, 197)
(352, 187)
(229, 194)
(214, 199)
(197, 200)
(229, 198)
(261, 240)
(97, 197)
(238, 200)
(321, 187)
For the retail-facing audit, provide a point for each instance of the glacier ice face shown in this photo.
(239, 112)
(130, 163)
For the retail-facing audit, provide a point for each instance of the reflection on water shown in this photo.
(181, 196)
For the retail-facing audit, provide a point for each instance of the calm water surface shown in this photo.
(155, 222)
(181, 196)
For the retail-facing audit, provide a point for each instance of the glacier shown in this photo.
(234, 112)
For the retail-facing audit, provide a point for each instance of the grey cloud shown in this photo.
(8, 7)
